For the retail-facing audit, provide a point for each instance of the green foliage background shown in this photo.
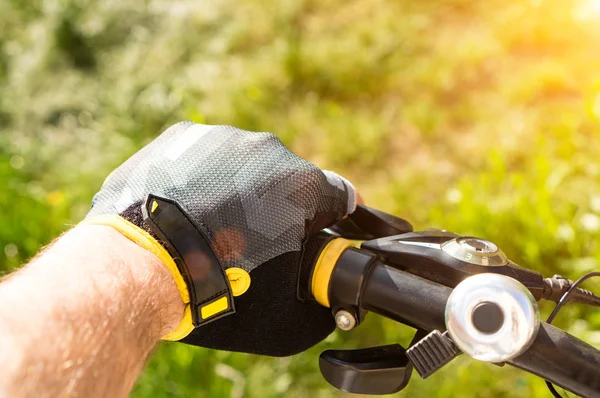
(478, 117)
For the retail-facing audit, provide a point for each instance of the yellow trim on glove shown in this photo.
(185, 326)
(146, 241)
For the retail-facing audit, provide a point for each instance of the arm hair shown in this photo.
(82, 317)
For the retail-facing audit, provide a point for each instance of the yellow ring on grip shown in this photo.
(324, 267)
(146, 241)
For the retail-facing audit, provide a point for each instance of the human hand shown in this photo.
(255, 205)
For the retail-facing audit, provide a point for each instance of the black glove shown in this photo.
(251, 206)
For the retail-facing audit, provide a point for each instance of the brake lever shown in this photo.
(366, 223)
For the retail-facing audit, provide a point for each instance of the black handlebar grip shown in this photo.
(405, 297)
(563, 359)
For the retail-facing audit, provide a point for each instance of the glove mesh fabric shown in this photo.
(246, 191)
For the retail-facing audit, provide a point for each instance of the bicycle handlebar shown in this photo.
(359, 280)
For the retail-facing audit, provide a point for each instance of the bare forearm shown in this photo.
(82, 317)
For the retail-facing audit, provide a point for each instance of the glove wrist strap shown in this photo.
(210, 294)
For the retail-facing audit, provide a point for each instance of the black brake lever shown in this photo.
(367, 223)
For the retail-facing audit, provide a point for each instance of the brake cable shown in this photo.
(560, 304)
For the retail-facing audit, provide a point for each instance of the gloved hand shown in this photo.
(255, 206)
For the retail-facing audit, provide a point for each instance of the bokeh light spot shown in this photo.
(11, 250)
(17, 162)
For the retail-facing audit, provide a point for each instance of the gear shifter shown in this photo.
(376, 370)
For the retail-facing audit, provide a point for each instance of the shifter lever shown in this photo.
(376, 370)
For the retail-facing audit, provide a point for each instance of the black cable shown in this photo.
(564, 297)
(553, 390)
(555, 393)
(560, 304)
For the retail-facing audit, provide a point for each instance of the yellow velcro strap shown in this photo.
(146, 241)
(324, 267)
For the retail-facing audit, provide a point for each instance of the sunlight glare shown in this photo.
(587, 10)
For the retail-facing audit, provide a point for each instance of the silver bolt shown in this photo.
(345, 320)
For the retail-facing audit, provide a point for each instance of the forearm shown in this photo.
(82, 317)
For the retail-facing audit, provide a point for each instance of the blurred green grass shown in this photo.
(478, 117)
